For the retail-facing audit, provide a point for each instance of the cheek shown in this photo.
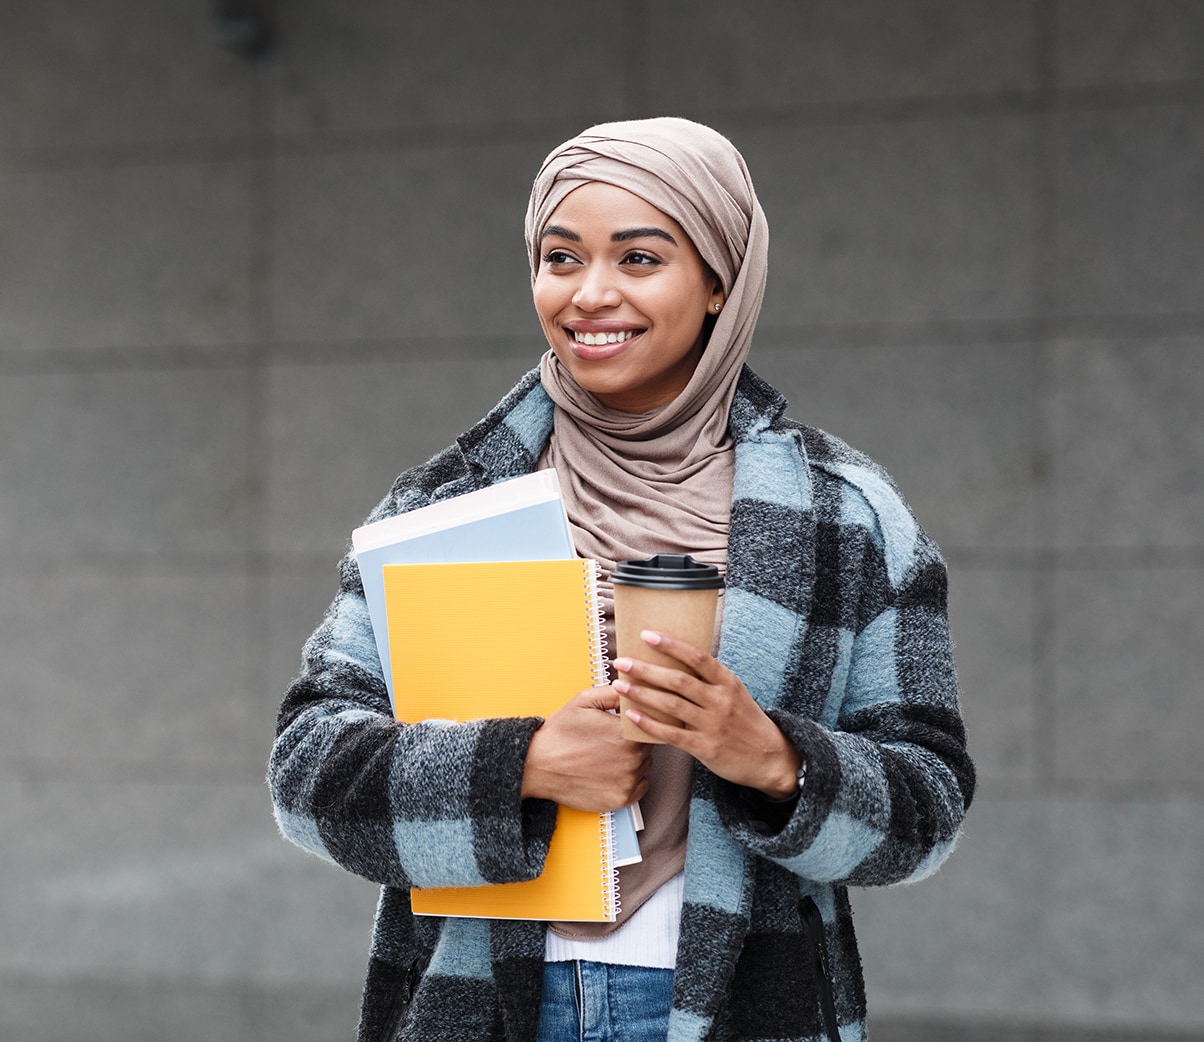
(547, 307)
(547, 304)
(688, 312)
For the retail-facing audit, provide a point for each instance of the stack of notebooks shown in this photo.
(481, 609)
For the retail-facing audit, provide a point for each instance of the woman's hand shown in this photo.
(721, 725)
(579, 759)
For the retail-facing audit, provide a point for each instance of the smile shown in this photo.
(598, 339)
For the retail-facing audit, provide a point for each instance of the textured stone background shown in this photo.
(225, 285)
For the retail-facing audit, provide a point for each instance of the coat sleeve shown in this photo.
(430, 804)
(888, 776)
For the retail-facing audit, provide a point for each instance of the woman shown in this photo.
(821, 744)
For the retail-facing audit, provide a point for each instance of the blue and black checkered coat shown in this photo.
(835, 620)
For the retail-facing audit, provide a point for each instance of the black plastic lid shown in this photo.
(668, 572)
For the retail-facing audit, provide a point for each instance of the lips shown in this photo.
(597, 345)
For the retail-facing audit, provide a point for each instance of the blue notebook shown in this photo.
(518, 520)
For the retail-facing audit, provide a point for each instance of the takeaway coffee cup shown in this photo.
(669, 593)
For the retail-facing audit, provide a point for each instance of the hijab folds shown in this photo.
(636, 484)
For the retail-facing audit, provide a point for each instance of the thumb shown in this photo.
(600, 698)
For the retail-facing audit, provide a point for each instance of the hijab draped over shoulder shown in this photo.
(636, 484)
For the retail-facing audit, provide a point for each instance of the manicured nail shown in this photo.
(650, 637)
(623, 665)
(621, 686)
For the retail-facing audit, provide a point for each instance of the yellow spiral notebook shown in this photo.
(470, 641)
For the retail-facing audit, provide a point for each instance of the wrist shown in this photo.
(788, 779)
(533, 783)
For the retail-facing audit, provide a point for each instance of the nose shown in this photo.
(597, 288)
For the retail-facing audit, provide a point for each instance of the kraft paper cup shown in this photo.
(669, 593)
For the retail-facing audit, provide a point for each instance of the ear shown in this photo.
(717, 299)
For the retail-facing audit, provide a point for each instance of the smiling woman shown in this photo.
(623, 295)
(815, 745)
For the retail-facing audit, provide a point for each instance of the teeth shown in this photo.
(595, 339)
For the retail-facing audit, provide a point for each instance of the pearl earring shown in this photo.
(718, 306)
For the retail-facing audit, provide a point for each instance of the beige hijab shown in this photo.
(638, 484)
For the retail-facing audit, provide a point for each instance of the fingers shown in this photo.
(670, 734)
(676, 683)
(692, 657)
(711, 715)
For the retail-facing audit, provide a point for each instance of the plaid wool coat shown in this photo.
(834, 618)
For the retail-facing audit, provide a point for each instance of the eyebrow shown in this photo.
(642, 233)
(623, 236)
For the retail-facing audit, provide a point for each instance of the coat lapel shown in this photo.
(771, 545)
(770, 582)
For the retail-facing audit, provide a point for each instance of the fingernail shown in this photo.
(650, 637)
(623, 665)
(621, 686)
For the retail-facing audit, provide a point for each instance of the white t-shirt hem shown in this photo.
(648, 938)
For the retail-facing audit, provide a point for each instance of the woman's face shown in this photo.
(621, 294)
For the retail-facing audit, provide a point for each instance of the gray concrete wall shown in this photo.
(223, 288)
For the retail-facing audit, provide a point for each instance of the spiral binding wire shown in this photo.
(597, 624)
(597, 641)
(610, 890)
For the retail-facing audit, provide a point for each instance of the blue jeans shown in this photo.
(598, 1002)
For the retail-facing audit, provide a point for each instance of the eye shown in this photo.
(641, 259)
(555, 258)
